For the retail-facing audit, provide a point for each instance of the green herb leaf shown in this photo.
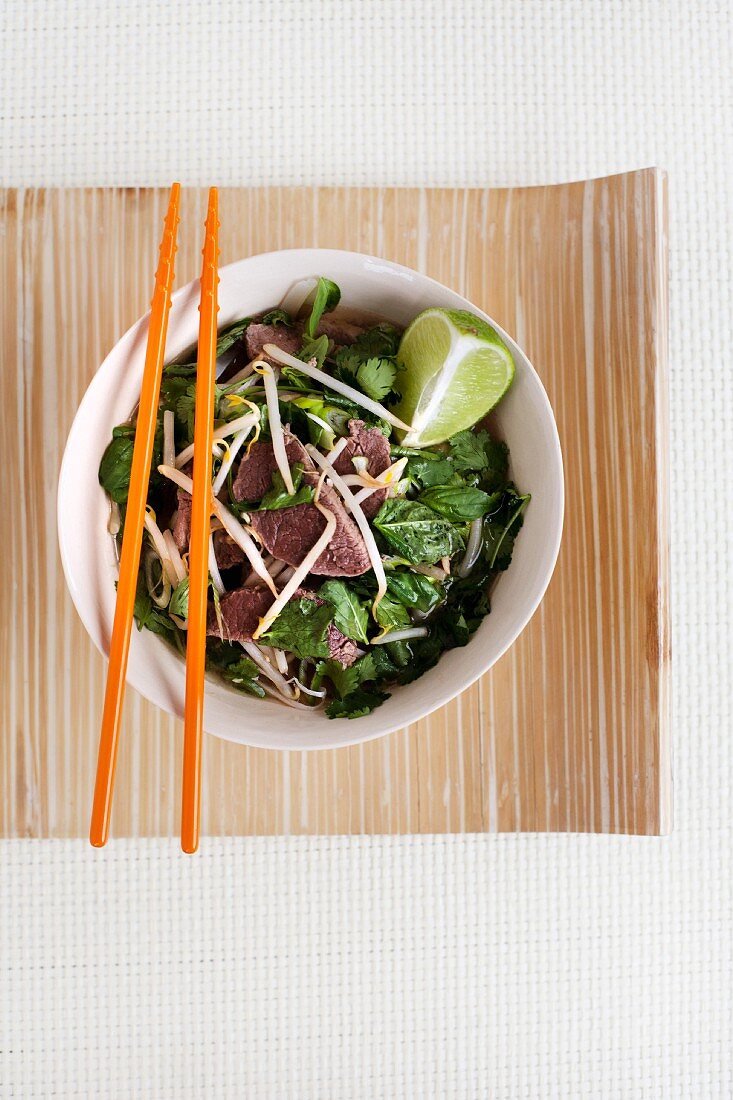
(501, 529)
(350, 617)
(459, 503)
(381, 340)
(344, 680)
(278, 496)
(416, 532)
(391, 615)
(315, 347)
(116, 464)
(243, 675)
(356, 704)
(414, 590)
(278, 317)
(376, 377)
(179, 600)
(301, 627)
(229, 336)
(477, 452)
(427, 473)
(327, 297)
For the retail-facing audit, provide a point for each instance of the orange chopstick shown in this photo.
(198, 558)
(134, 521)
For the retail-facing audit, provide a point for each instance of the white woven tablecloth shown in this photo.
(503, 967)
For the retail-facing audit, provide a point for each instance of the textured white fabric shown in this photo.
(467, 967)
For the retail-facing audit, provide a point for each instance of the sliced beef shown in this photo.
(227, 551)
(289, 533)
(242, 610)
(373, 445)
(338, 330)
(257, 335)
(182, 525)
(340, 647)
(254, 476)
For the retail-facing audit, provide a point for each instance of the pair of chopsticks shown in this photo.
(135, 519)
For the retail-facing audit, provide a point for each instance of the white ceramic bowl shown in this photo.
(525, 420)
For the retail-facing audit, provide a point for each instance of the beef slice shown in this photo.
(254, 476)
(372, 444)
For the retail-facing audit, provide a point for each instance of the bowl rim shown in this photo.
(461, 683)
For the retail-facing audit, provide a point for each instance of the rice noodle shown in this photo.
(286, 574)
(269, 670)
(160, 545)
(402, 635)
(274, 567)
(275, 424)
(175, 556)
(363, 523)
(230, 428)
(231, 525)
(302, 571)
(433, 571)
(445, 563)
(169, 446)
(214, 569)
(280, 356)
(472, 549)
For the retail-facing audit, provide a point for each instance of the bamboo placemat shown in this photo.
(570, 731)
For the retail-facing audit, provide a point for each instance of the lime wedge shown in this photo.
(457, 368)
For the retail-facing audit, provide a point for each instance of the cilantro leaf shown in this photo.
(429, 472)
(327, 297)
(349, 616)
(243, 675)
(477, 452)
(459, 503)
(416, 532)
(301, 627)
(356, 704)
(376, 377)
(381, 340)
(344, 680)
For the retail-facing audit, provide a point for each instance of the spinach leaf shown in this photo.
(414, 590)
(301, 627)
(327, 298)
(356, 704)
(278, 496)
(349, 616)
(116, 464)
(415, 531)
(458, 503)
